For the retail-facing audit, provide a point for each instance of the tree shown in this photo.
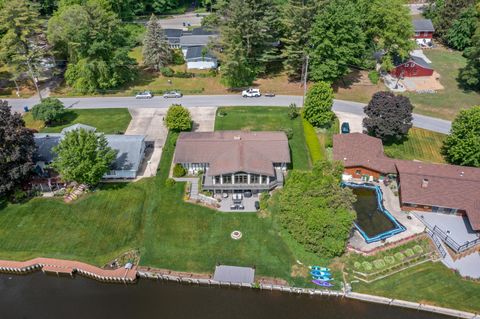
(298, 17)
(338, 40)
(83, 156)
(318, 105)
(178, 118)
(460, 34)
(16, 149)
(389, 116)
(322, 223)
(92, 39)
(156, 51)
(48, 110)
(462, 145)
(470, 75)
(21, 46)
(248, 32)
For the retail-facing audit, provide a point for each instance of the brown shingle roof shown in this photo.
(357, 149)
(233, 151)
(449, 186)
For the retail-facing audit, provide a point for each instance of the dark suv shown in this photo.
(345, 129)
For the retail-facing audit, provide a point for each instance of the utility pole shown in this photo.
(305, 78)
(33, 78)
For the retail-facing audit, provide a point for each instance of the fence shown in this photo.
(452, 243)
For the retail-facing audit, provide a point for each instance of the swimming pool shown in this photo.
(374, 222)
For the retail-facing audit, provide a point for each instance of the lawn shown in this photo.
(105, 120)
(448, 102)
(267, 119)
(422, 145)
(430, 283)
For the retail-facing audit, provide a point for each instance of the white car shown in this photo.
(251, 93)
(172, 94)
(144, 95)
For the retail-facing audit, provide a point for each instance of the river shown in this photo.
(46, 296)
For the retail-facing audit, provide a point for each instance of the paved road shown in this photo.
(416, 8)
(421, 121)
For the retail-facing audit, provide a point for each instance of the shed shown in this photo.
(234, 274)
(414, 66)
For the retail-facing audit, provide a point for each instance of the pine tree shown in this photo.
(156, 51)
(298, 18)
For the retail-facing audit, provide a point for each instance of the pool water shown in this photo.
(369, 216)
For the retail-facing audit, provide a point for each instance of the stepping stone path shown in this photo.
(77, 191)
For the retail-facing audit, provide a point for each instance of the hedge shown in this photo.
(316, 152)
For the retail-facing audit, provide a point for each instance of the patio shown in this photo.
(247, 202)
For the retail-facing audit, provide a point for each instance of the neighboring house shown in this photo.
(200, 58)
(423, 31)
(173, 36)
(179, 39)
(130, 152)
(235, 161)
(414, 66)
(438, 188)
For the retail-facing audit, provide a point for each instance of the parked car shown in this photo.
(257, 205)
(251, 93)
(144, 95)
(173, 94)
(345, 129)
(237, 207)
(270, 94)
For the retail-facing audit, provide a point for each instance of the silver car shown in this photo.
(172, 94)
(144, 95)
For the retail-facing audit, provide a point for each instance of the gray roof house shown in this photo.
(130, 151)
(423, 25)
(235, 160)
(179, 39)
(196, 59)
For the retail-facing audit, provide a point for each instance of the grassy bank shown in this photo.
(267, 119)
(430, 283)
(422, 145)
(105, 120)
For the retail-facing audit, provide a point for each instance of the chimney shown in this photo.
(425, 183)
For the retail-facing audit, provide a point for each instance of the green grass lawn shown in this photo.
(422, 145)
(448, 102)
(267, 119)
(105, 120)
(430, 283)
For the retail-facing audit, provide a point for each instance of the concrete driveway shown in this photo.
(354, 120)
(203, 118)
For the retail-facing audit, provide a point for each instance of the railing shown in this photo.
(437, 243)
(207, 183)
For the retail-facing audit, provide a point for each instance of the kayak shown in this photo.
(320, 273)
(322, 278)
(322, 283)
(318, 268)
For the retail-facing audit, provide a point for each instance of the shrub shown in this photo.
(264, 197)
(184, 75)
(167, 72)
(389, 260)
(374, 77)
(367, 266)
(379, 263)
(357, 265)
(399, 256)
(313, 144)
(48, 110)
(289, 132)
(177, 57)
(170, 182)
(318, 105)
(418, 249)
(293, 111)
(179, 171)
(409, 252)
(178, 118)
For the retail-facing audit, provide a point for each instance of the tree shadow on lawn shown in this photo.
(347, 81)
(66, 118)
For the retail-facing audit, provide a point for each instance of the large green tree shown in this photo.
(156, 51)
(323, 221)
(460, 34)
(16, 149)
(83, 156)
(318, 105)
(298, 17)
(338, 40)
(389, 116)
(92, 39)
(249, 32)
(462, 145)
(178, 118)
(470, 74)
(48, 110)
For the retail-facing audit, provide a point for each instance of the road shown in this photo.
(421, 121)
(416, 8)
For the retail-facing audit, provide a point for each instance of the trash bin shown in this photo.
(25, 108)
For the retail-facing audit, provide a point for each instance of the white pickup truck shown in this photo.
(251, 93)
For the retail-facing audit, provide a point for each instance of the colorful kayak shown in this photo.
(320, 273)
(322, 283)
(318, 268)
(322, 278)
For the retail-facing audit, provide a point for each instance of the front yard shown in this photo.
(109, 121)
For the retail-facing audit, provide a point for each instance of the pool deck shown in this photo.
(391, 203)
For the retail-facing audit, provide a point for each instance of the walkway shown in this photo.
(69, 266)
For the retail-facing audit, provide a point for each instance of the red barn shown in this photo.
(423, 31)
(412, 67)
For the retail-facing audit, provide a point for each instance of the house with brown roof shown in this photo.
(439, 188)
(235, 161)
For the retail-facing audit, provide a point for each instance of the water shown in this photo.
(370, 219)
(45, 296)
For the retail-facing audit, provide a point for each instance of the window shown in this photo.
(227, 179)
(358, 172)
(417, 34)
(217, 179)
(264, 179)
(254, 179)
(241, 178)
